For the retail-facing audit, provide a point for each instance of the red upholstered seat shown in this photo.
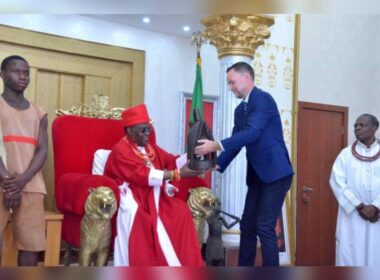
(75, 140)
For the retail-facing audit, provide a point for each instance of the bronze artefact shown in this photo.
(199, 130)
(214, 246)
(205, 206)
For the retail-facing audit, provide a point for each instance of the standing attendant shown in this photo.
(24, 129)
(355, 181)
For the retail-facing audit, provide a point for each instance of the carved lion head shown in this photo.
(202, 201)
(101, 203)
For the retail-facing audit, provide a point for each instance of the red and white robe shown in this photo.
(153, 229)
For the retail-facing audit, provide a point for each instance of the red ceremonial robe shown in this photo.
(144, 246)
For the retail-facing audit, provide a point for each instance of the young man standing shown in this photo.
(24, 130)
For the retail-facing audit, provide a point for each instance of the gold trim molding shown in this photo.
(99, 108)
(237, 34)
(292, 197)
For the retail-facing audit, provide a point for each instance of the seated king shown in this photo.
(153, 227)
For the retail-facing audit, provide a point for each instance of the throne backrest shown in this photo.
(76, 138)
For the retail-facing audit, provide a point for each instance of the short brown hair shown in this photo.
(242, 67)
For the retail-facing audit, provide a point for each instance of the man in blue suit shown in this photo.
(258, 128)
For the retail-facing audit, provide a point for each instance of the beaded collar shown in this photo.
(148, 157)
(364, 158)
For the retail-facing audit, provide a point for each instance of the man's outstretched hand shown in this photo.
(206, 147)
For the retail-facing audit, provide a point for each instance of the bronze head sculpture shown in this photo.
(199, 130)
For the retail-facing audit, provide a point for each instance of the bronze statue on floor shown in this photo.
(205, 206)
(215, 255)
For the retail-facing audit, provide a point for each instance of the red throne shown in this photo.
(75, 140)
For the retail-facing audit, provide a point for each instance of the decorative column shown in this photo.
(236, 38)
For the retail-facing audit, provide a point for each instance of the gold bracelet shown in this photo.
(171, 175)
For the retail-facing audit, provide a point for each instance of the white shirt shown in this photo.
(354, 181)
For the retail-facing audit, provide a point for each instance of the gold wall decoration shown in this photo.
(273, 67)
(272, 71)
(286, 117)
(237, 34)
(288, 74)
(290, 18)
(258, 68)
(99, 108)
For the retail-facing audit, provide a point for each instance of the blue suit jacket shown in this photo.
(260, 131)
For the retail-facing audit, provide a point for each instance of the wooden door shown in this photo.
(66, 72)
(322, 134)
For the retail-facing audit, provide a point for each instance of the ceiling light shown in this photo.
(186, 28)
(146, 19)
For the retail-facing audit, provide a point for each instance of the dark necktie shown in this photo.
(245, 107)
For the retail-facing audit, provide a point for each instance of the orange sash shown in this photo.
(20, 139)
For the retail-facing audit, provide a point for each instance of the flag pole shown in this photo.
(197, 38)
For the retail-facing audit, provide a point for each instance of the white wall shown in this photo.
(340, 63)
(169, 66)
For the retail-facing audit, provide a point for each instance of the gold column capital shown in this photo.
(237, 34)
